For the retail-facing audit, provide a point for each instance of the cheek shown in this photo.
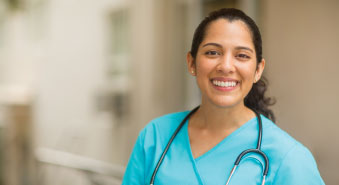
(203, 68)
(247, 71)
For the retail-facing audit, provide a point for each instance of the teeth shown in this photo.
(224, 84)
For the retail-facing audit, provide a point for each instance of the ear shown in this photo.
(190, 64)
(259, 71)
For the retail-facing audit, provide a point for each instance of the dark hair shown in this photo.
(255, 99)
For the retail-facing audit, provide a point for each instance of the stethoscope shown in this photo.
(237, 161)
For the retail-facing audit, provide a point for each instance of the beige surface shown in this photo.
(301, 47)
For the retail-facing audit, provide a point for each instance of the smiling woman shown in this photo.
(225, 64)
(200, 147)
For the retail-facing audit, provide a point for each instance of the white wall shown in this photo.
(60, 51)
(69, 75)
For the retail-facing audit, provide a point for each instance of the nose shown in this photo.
(226, 64)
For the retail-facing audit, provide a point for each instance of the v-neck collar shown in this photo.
(216, 147)
(225, 140)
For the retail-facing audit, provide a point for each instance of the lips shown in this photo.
(225, 82)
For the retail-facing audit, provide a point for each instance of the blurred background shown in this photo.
(80, 78)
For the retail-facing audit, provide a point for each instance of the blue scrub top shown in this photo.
(291, 163)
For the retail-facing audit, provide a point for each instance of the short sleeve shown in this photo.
(298, 167)
(135, 171)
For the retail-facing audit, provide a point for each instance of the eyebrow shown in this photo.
(244, 48)
(220, 46)
(213, 44)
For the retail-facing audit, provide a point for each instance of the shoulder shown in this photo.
(288, 157)
(161, 128)
(169, 119)
(279, 141)
(149, 146)
(165, 122)
(276, 142)
(276, 138)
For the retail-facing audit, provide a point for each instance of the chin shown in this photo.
(227, 103)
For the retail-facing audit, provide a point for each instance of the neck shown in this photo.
(214, 118)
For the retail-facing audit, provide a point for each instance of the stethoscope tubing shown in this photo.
(169, 143)
(237, 161)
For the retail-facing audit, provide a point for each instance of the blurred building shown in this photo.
(87, 76)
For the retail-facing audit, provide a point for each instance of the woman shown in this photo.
(226, 60)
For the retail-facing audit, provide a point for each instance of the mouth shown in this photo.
(225, 84)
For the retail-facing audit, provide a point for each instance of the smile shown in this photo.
(225, 84)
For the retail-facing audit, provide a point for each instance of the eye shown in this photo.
(243, 56)
(213, 53)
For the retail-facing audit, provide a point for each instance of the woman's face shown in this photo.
(225, 65)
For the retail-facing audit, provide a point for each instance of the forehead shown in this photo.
(225, 32)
